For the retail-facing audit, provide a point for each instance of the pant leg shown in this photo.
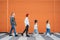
(49, 31)
(46, 31)
(35, 31)
(14, 29)
(27, 29)
(24, 30)
(11, 30)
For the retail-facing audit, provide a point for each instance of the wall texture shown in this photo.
(3, 15)
(41, 10)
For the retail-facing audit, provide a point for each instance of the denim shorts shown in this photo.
(35, 31)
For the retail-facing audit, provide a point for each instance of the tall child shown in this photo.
(26, 21)
(13, 24)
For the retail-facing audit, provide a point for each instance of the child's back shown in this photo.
(35, 28)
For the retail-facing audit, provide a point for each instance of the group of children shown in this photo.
(26, 21)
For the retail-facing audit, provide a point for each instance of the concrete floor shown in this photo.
(56, 36)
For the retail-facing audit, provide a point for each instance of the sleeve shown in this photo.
(11, 20)
(15, 22)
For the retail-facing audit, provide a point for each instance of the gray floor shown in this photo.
(4, 36)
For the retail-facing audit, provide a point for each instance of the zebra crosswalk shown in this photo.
(57, 33)
(54, 37)
(7, 38)
(22, 38)
(39, 37)
(4, 36)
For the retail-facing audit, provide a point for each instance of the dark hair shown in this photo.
(35, 21)
(47, 21)
(27, 15)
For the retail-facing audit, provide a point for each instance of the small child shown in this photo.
(47, 28)
(35, 27)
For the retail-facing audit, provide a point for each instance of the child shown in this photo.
(47, 28)
(13, 24)
(35, 27)
(26, 21)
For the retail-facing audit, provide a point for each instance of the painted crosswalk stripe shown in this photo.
(7, 38)
(2, 34)
(57, 33)
(39, 37)
(54, 37)
(22, 38)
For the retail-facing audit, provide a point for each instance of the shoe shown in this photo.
(27, 36)
(10, 35)
(22, 34)
(16, 35)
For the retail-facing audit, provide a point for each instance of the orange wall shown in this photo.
(3, 15)
(41, 10)
(57, 16)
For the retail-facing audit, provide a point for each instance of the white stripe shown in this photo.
(39, 37)
(2, 34)
(54, 37)
(7, 38)
(57, 33)
(22, 38)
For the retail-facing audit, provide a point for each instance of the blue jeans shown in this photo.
(35, 31)
(13, 28)
(47, 31)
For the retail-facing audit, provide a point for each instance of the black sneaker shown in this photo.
(22, 34)
(10, 35)
(16, 35)
(27, 36)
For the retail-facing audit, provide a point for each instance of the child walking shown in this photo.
(47, 28)
(35, 27)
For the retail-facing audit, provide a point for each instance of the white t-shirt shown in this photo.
(26, 21)
(35, 26)
(48, 26)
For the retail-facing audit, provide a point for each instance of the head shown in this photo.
(27, 15)
(35, 21)
(13, 14)
(47, 21)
